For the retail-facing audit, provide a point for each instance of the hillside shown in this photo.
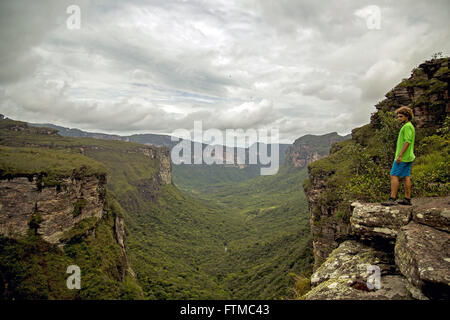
(184, 174)
(178, 246)
(156, 215)
(274, 243)
(56, 212)
(358, 169)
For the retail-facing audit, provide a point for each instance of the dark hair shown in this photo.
(404, 110)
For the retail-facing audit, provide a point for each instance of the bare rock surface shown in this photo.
(371, 220)
(422, 254)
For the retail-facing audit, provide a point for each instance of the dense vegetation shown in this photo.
(191, 177)
(359, 168)
(31, 268)
(274, 243)
(241, 240)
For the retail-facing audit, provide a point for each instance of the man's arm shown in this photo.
(400, 155)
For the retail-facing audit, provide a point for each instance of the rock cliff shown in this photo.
(165, 166)
(426, 92)
(409, 247)
(51, 210)
(309, 148)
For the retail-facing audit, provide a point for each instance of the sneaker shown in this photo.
(390, 202)
(405, 202)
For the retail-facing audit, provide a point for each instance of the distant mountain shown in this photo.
(110, 208)
(186, 172)
(148, 138)
(310, 148)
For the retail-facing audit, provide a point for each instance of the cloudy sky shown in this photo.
(302, 66)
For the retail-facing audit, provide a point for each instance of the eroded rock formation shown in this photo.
(51, 210)
(310, 148)
(415, 266)
(426, 92)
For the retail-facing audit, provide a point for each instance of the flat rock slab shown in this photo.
(370, 221)
(422, 254)
(393, 287)
(434, 212)
(350, 261)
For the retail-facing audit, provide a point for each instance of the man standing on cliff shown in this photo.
(404, 157)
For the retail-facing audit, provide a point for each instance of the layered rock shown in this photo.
(422, 254)
(417, 267)
(165, 166)
(347, 272)
(310, 148)
(327, 231)
(372, 221)
(433, 212)
(425, 92)
(50, 210)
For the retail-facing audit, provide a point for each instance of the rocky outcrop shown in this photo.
(347, 272)
(350, 261)
(422, 254)
(50, 210)
(309, 148)
(431, 212)
(372, 221)
(416, 267)
(165, 166)
(327, 231)
(425, 92)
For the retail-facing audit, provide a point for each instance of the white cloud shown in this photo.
(154, 66)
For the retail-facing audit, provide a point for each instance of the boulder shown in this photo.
(393, 287)
(422, 254)
(433, 212)
(347, 272)
(370, 221)
(350, 261)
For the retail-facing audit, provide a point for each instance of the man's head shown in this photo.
(404, 114)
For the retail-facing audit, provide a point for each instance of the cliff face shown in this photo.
(52, 209)
(165, 166)
(310, 148)
(409, 246)
(57, 209)
(326, 230)
(426, 92)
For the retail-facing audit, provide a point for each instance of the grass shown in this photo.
(176, 238)
(37, 161)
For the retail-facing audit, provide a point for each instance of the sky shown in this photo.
(296, 66)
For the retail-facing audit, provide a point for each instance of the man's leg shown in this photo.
(394, 186)
(394, 190)
(407, 184)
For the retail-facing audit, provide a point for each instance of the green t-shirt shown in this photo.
(406, 134)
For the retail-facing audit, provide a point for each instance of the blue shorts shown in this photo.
(401, 170)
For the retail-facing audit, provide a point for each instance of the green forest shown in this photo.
(244, 238)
